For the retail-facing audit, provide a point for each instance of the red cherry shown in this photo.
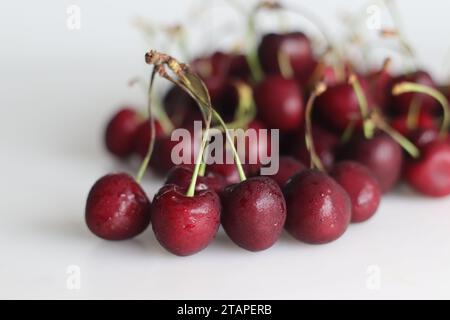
(257, 149)
(338, 106)
(228, 171)
(295, 46)
(402, 103)
(424, 121)
(143, 134)
(185, 225)
(430, 174)
(117, 208)
(181, 176)
(362, 187)
(379, 84)
(279, 103)
(421, 137)
(120, 132)
(254, 212)
(180, 107)
(288, 166)
(318, 208)
(325, 144)
(381, 155)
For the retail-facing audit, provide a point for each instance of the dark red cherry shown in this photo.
(362, 187)
(295, 46)
(258, 149)
(180, 107)
(288, 166)
(402, 103)
(318, 208)
(162, 160)
(120, 132)
(254, 212)
(143, 134)
(381, 155)
(182, 175)
(279, 103)
(325, 144)
(185, 225)
(421, 137)
(228, 171)
(379, 83)
(424, 121)
(430, 174)
(338, 106)
(117, 208)
(239, 67)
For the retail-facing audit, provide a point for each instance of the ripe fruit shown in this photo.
(338, 106)
(254, 212)
(143, 134)
(120, 132)
(381, 155)
(228, 171)
(423, 121)
(403, 102)
(318, 208)
(185, 225)
(182, 175)
(255, 151)
(288, 166)
(430, 174)
(117, 208)
(361, 186)
(295, 46)
(325, 144)
(279, 103)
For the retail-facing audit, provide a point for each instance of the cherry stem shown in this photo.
(315, 160)
(201, 171)
(412, 119)
(406, 87)
(285, 65)
(368, 126)
(251, 53)
(148, 155)
(246, 109)
(191, 190)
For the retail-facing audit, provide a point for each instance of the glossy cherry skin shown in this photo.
(185, 225)
(362, 187)
(378, 84)
(430, 174)
(402, 103)
(295, 46)
(421, 137)
(279, 103)
(338, 106)
(256, 151)
(318, 208)
(120, 132)
(228, 171)
(381, 155)
(182, 175)
(325, 144)
(254, 212)
(143, 134)
(288, 167)
(117, 208)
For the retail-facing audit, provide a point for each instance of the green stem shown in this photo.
(252, 54)
(315, 160)
(191, 190)
(201, 171)
(368, 126)
(401, 140)
(405, 87)
(148, 155)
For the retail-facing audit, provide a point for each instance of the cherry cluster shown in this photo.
(347, 138)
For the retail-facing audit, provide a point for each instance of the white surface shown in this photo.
(57, 89)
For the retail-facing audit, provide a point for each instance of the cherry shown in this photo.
(255, 150)
(279, 103)
(117, 208)
(228, 171)
(403, 102)
(180, 107)
(185, 225)
(121, 131)
(254, 212)
(338, 107)
(295, 46)
(379, 83)
(143, 135)
(325, 144)
(421, 137)
(288, 166)
(381, 155)
(430, 174)
(318, 208)
(362, 187)
(182, 175)
(424, 121)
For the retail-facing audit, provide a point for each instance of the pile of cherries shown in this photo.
(347, 138)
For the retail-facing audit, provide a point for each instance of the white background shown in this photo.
(57, 89)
